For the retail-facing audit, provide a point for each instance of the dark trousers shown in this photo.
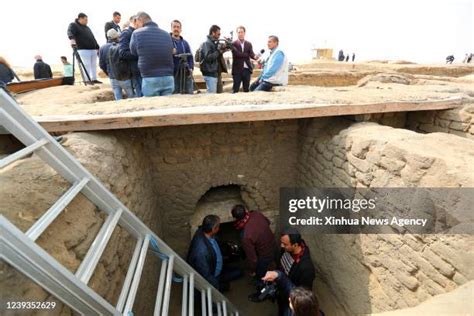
(263, 265)
(244, 78)
(261, 86)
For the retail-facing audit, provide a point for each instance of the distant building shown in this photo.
(322, 53)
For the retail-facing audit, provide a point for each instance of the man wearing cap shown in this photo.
(41, 69)
(118, 70)
(114, 24)
(82, 38)
(154, 49)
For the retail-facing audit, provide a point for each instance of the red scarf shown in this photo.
(240, 224)
(298, 256)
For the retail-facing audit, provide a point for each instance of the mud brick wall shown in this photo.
(260, 157)
(457, 121)
(29, 187)
(360, 274)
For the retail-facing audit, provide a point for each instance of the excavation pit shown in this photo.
(170, 159)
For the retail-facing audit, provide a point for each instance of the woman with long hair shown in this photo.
(6, 73)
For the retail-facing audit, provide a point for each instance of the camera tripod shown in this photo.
(82, 68)
(183, 74)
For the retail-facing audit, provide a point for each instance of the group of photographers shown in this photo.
(144, 60)
(284, 275)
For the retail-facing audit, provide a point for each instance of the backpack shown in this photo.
(198, 57)
(119, 67)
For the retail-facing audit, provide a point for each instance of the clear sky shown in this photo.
(423, 31)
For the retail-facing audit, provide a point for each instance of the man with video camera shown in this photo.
(295, 268)
(212, 61)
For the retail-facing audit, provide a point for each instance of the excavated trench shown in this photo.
(171, 177)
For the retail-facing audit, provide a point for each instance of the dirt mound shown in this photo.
(326, 79)
(386, 78)
(456, 302)
(401, 62)
(64, 95)
(449, 71)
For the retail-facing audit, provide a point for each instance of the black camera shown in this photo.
(268, 291)
(184, 56)
(225, 43)
(232, 252)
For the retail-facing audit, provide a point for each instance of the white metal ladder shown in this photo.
(21, 251)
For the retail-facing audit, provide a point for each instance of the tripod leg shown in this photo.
(83, 68)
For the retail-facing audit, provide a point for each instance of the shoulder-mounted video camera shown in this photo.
(226, 42)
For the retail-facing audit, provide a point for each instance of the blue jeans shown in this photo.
(118, 85)
(137, 86)
(211, 84)
(158, 86)
(260, 85)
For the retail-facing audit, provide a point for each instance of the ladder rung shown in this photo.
(169, 279)
(203, 302)
(224, 308)
(161, 287)
(129, 276)
(39, 227)
(191, 294)
(184, 301)
(209, 301)
(136, 277)
(22, 153)
(34, 262)
(87, 267)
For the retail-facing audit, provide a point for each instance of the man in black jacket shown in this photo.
(83, 39)
(114, 24)
(41, 69)
(295, 263)
(212, 60)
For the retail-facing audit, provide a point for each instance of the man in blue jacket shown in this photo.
(154, 49)
(275, 71)
(181, 46)
(125, 54)
(204, 254)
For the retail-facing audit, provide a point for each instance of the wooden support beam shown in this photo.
(230, 114)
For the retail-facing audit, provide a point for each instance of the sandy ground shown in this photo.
(396, 81)
(66, 100)
(384, 83)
